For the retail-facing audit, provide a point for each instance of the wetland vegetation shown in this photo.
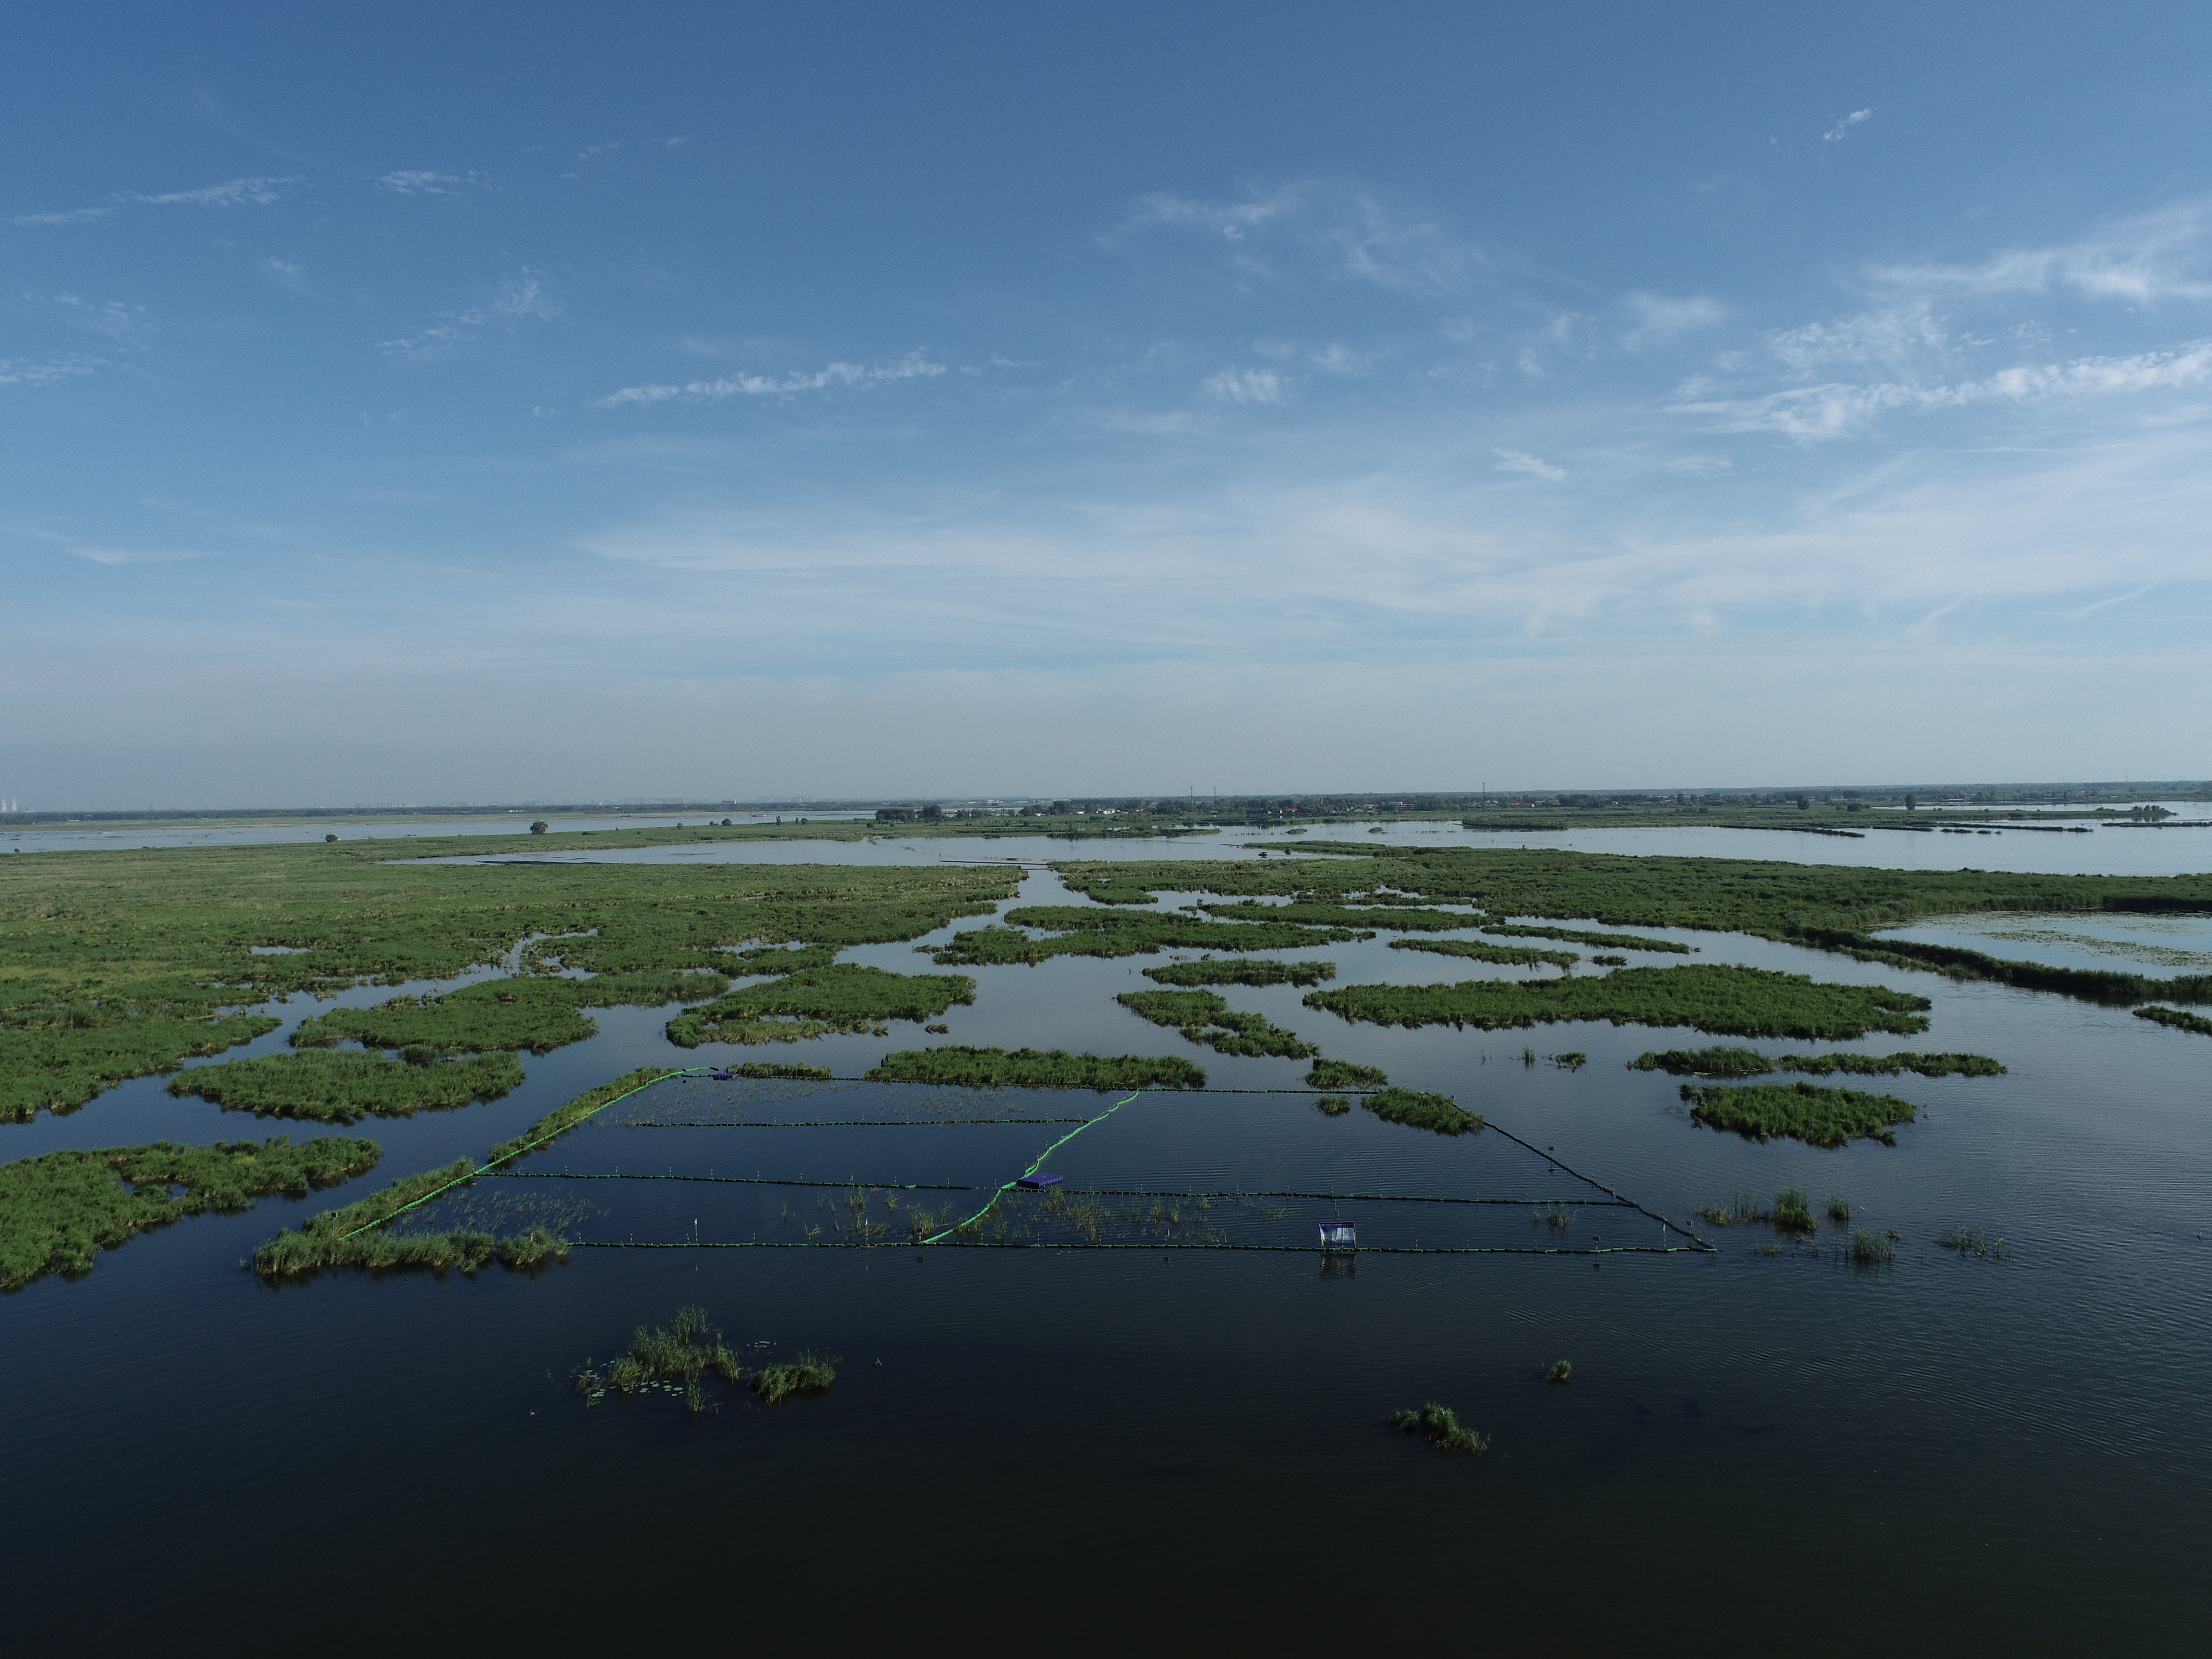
(1077, 930)
(1799, 1111)
(57, 1212)
(817, 1001)
(1343, 1075)
(1519, 955)
(1708, 997)
(348, 1085)
(1440, 1426)
(1033, 1068)
(1203, 1017)
(1212, 970)
(1722, 1062)
(1418, 1110)
(1583, 936)
(2178, 1018)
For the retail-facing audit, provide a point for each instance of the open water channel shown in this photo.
(1164, 1448)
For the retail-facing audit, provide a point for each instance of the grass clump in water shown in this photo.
(56, 1059)
(1710, 997)
(1212, 970)
(1839, 1208)
(1475, 949)
(1792, 1214)
(352, 1237)
(2178, 1018)
(1332, 1105)
(679, 1359)
(1343, 1075)
(342, 1087)
(1800, 1111)
(56, 1211)
(1418, 1109)
(808, 1374)
(1562, 1372)
(1974, 1241)
(1581, 936)
(1891, 1065)
(817, 1001)
(1090, 931)
(1203, 1017)
(1036, 1068)
(1703, 1063)
(1871, 1250)
(1440, 1426)
(1573, 1061)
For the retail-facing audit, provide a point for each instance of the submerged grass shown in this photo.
(1800, 1111)
(1974, 1241)
(1708, 997)
(1440, 1426)
(56, 1211)
(808, 1374)
(1035, 1068)
(350, 1236)
(1203, 1017)
(679, 1359)
(347, 1086)
(1418, 1110)
(1210, 970)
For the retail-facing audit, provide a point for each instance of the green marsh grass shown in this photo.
(1580, 936)
(343, 1087)
(810, 1374)
(1561, 1372)
(1475, 949)
(2175, 1018)
(57, 1211)
(1033, 1068)
(1082, 931)
(1974, 1241)
(352, 1237)
(1871, 1250)
(1839, 1208)
(1203, 1017)
(1343, 1075)
(678, 1360)
(1212, 970)
(1799, 1111)
(1418, 1110)
(1703, 1063)
(1891, 1065)
(817, 1001)
(1440, 1426)
(57, 1067)
(1332, 1105)
(1792, 1213)
(1710, 997)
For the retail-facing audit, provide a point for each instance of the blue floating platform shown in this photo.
(1036, 1183)
(1334, 1233)
(722, 1077)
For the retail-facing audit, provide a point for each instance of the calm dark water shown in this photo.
(1166, 1449)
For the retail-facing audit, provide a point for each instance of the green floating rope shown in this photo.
(748, 1180)
(1007, 1186)
(1262, 1249)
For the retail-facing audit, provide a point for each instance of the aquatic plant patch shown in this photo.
(343, 1087)
(1799, 1111)
(56, 1211)
(58, 1067)
(1074, 930)
(358, 1235)
(1517, 956)
(2179, 1020)
(1703, 1063)
(1212, 970)
(1440, 1426)
(1343, 1075)
(1583, 936)
(1417, 1109)
(1033, 1068)
(1891, 1065)
(1390, 918)
(1203, 1017)
(840, 997)
(1722, 999)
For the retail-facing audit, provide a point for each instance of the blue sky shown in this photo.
(424, 403)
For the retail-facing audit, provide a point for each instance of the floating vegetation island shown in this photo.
(1710, 997)
(1749, 1063)
(1799, 1111)
(56, 1211)
(817, 1001)
(346, 1086)
(1033, 1068)
(1212, 970)
(1203, 1017)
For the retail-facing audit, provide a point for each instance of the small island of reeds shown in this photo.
(1033, 1068)
(1799, 1111)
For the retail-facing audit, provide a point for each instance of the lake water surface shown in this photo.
(1158, 1447)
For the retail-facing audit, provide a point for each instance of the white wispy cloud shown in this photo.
(1809, 414)
(2154, 257)
(419, 181)
(1344, 229)
(232, 193)
(1249, 388)
(44, 371)
(1661, 319)
(1842, 130)
(288, 273)
(912, 367)
(1515, 460)
(518, 299)
(119, 321)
